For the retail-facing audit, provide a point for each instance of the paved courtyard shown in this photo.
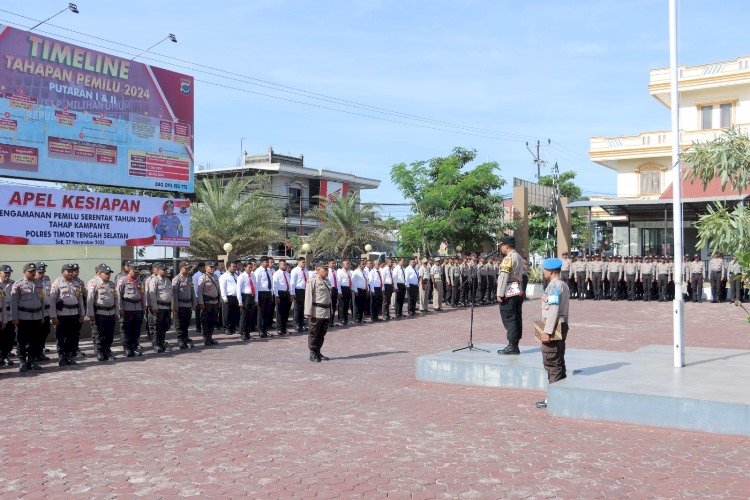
(260, 420)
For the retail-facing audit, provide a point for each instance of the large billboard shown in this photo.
(40, 216)
(72, 114)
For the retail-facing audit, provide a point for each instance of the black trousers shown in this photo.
(132, 321)
(360, 298)
(387, 296)
(596, 282)
(317, 334)
(183, 323)
(230, 313)
(663, 281)
(696, 282)
(7, 336)
(455, 291)
(400, 298)
(553, 357)
(482, 287)
(376, 303)
(581, 285)
(345, 304)
(735, 284)
(630, 281)
(511, 314)
(282, 311)
(104, 332)
(29, 338)
(334, 304)
(299, 307)
(46, 328)
(209, 320)
(413, 298)
(249, 315)
(198, 320)
(463, 290)
(265, 311)
(614, 279)
(66, 332)
(716, 286)
(162, 322)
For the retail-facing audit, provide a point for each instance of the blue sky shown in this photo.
(564, 70)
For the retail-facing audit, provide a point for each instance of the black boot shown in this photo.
(321, 356)
(510, 350)
(314, 357)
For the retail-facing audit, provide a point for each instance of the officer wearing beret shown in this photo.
(67, 312)
(159, 300)
(555, 303)
(27, 313)
(102, 308)
(318, 310)
(7, 329)
(510, 295)
(183, 303)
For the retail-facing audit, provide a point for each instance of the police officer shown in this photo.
(159, 299)
(565, 269)
(615, 270)
(8, 329)
(299, 278)
(648, 268)
(663, 273)
(555, 303)
(247, 297)
(510, 295)
(27, 313)
(208, 302)
(630, 272)
(41, 276)
(132, 304)
(716, 270)
(579, 269)
(333, 280)
(102, 308)
(425, 286)
(68, 311)
(436, 272)
(595, 270)
(734, 275)
(375, 283)
(318, 311)
(183, 304)
(696, 272)
(344, 277)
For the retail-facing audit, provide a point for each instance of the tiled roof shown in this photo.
(695, 190)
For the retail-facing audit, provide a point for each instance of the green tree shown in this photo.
(450, 202)
(240, 211)
(345, 226)
(723, 229)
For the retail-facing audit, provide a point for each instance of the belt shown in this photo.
(697, 274)
(163, 303)
(318, 304)
(185, 302)
(132, 301)
(65, 306)
(26, 309)
(210, 300)
(102, 308)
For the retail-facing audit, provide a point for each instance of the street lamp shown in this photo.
(368, 248)
(71, 7)
(228, 247)
(169, 37)
(458, 249)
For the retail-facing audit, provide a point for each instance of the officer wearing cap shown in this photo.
(208, 302)
(82, 285)
(425, 287)
(664, 273)
(67, 313)
(647, 270)
(41, 276)
(131, 305)
(555, 302)
(159, 300)
(183, 304)
(696, 273)
(102, 308)
(27, 313)
(318, 310)
(436, 272)
(510, 295)
(150, 316)
(7, 328)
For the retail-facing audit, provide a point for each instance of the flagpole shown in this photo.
(678, 303)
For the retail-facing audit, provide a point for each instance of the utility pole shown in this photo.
(537, 157)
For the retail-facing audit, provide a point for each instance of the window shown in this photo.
(725, 115)
(650, 182)
(706, 115)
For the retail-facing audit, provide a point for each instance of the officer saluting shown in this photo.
(27, 313)
(102, 308)
(510, 295)
(67, 312)
(318, 311)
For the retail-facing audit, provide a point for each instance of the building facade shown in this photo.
(713, 98)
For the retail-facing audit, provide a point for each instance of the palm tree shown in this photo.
(240, 212)
(345, 226)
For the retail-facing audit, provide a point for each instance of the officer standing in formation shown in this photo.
(208, 301)
(27, 314)
(67, 313)
(103, 308)
(184, 303)
(7, 328)
(282, 297)
(160, 301)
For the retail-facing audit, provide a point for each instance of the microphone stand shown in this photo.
(470, 345)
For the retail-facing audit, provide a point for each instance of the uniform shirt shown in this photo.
(47, 283)
(578, 266)
(228, 286)
(664, 268)
(101, 298)
(246, 285)
(159, 293)
(358, 280)
(565, 265)
(511, 274)
(318, 298)
(648, 268)
(27, 300)
(481, 269)
(183, 292)
(333, 280)
(733, 269)
(281, 282)
(694, 267)
(299, 278)
(615, 267)
(399, 275)
(344, 278)
(263, 281)
(129, 294)
(375, 279)
(629, 269)
(551, 313)
(196, 279)
(412, 277)
(387, 273)
(594, 267)
(4, 305)
(67, 297)
(436, 271)
(208, 290)
(716, 265)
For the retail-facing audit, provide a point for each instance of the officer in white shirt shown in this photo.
(344, 278)
(198, 271)
(282, 296)
(247, 295)
(230, 306)
(333, 281)
(299, 282)
(264, 285)
(376, 291)
(387, 272)
(412, 285)
(399, 281)
(359, 286)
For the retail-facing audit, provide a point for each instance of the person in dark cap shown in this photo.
(27, 313)
(131, 308)
(696, 272)
(183, 304)
(196, 273)
(67, 313)
(510, 295)
(208, 297)
(8, 329)
(82, 285)
(318, 310)
(160, 300)
(42, 277)
(555, 301)
(102, 308)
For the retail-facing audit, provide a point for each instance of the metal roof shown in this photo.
(655, 209)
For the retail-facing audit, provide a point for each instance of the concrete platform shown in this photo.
(710, 394)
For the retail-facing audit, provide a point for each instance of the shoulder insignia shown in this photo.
(506, 265)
